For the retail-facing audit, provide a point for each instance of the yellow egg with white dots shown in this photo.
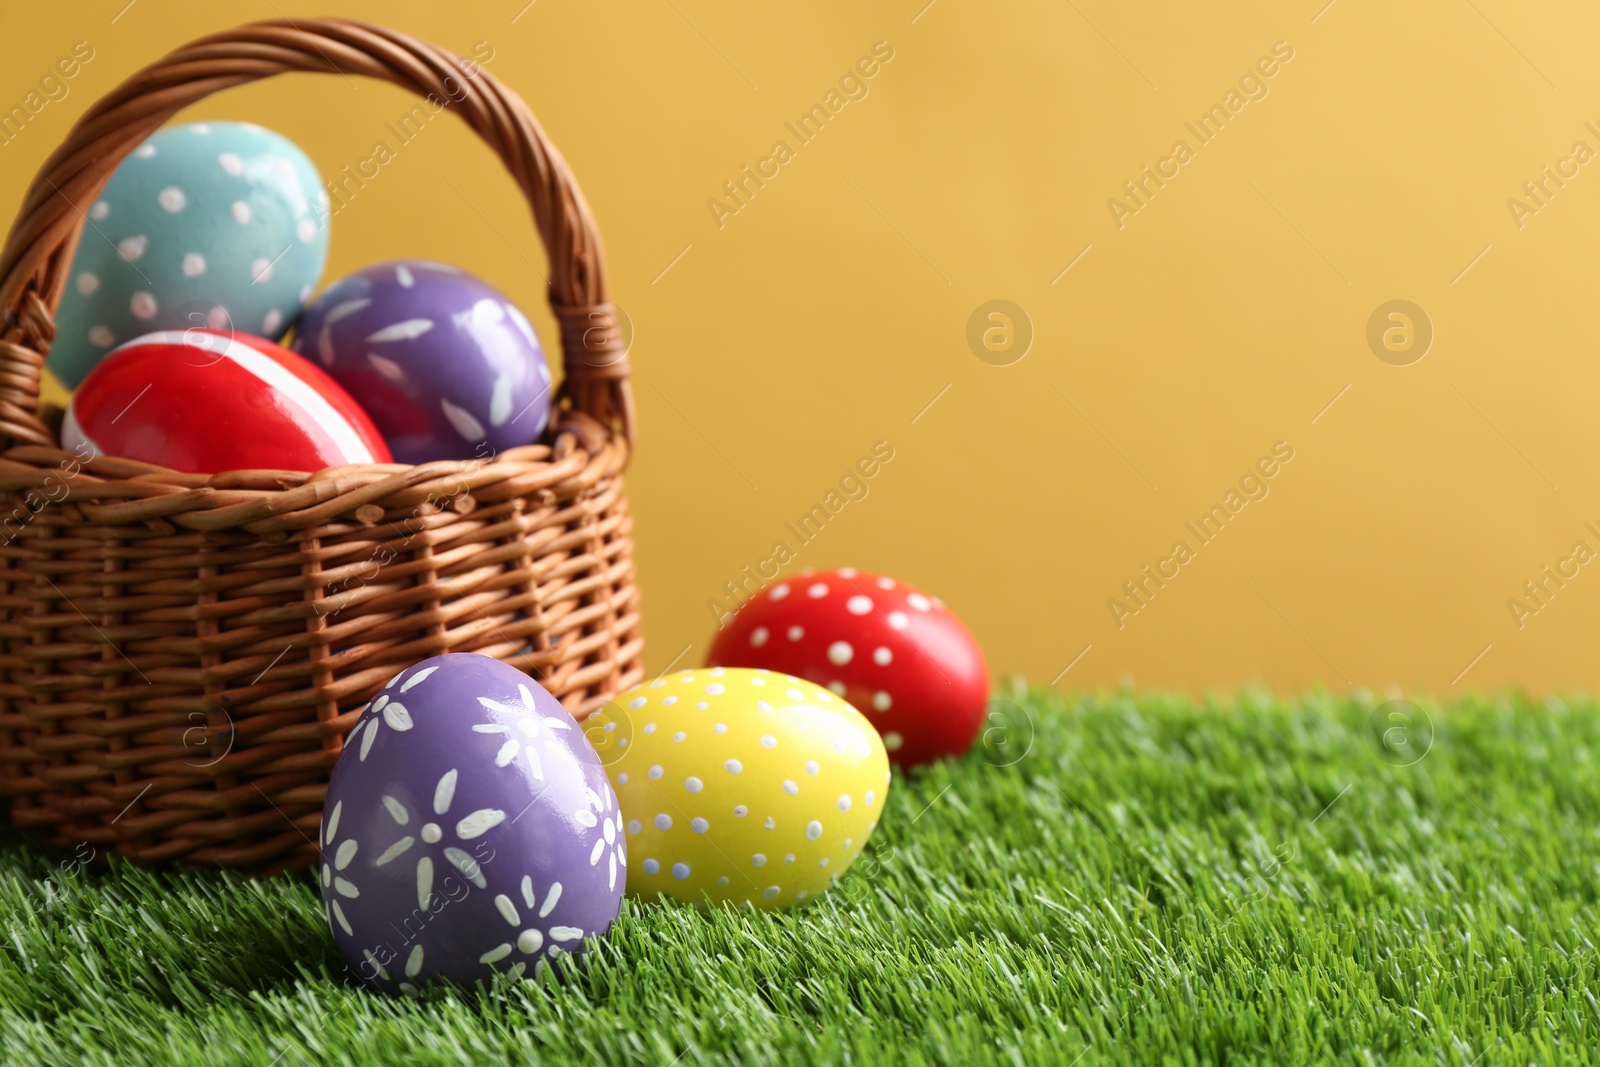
(743, 786)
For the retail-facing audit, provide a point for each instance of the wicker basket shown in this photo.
(181, 655)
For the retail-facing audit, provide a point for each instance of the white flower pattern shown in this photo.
(334, 874)
(531, 939)
(388, 712)
(467, 828)
(528, 722)
(599, 813)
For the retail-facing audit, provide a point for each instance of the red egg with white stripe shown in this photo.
(900, 656)
(205, 402)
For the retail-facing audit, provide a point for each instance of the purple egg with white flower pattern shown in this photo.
(469, 828)
(447, 367)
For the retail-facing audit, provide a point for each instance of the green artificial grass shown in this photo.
(1156, 880)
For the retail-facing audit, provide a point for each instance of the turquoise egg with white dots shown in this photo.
(220, 225)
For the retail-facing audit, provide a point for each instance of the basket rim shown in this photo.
(111, 491)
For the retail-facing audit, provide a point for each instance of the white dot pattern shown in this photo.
(747, 749)
(849, 632)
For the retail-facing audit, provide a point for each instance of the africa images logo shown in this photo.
(1253, 485)
(852, 86)
(1252, 85)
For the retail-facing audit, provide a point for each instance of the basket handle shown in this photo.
(38, 252)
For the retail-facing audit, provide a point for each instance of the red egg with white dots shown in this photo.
(892, 651)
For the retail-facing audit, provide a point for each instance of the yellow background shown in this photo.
(1222, 318)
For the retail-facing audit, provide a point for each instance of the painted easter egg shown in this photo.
(208, 402)
(889, 649)
(52, 393)
(446, 365)
(469, 828)
(213, 224)
(744, 786)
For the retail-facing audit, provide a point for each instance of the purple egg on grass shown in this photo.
(469, 828)
(447, 367)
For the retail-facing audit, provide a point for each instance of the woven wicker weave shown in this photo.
(181, 655)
